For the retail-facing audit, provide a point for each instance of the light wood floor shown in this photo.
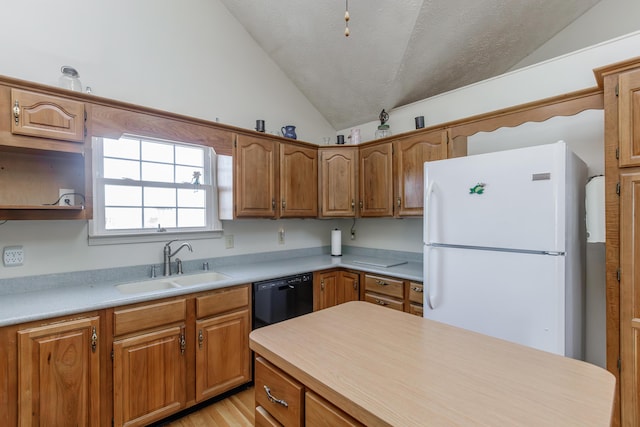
(234, 411)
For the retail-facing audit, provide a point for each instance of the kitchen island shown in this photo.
(376, 366)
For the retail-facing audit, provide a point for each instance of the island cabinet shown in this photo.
(375, 182)
(621, 83)
(332, 287)
(274, 179)
(149, 361)
(58, 373)
(223, 358)
(338, 173)
(409, 155)
(42, 150)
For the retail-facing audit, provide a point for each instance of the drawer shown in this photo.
(416, 309)
(264, 419)
(415, 292)
(283, 389)
(319, 412)
(384, 285)
(222, 300)
(148, 316)
(384, 301)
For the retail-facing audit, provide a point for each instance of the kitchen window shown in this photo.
(148, 188)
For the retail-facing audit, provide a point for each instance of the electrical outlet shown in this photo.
(353, 234)
(281, 236)
(67, 198)
(13, 256)
(228, 241)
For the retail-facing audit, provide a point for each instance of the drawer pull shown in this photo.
(380, 302)
(16, 112)
(416, 289)
(200, 338)
(381, 283)
(273, 399)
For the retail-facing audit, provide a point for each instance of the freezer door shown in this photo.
(513, 296)
(507, 199)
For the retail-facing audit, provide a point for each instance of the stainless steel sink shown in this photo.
(146, 286)
(171, 282)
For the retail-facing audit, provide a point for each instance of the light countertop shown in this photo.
(60, 300)
(385, 367)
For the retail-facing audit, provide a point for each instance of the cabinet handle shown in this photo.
(361, 204)
(380, 302)
(399, 202)
(353, 205)
(322, 284)
(273, 204)
(274, 399)
(381, 283)
(16, 111)
(94, 338)
(355, 285)
(200, 338)
(284, 204)
(416, 289)
(183, 344)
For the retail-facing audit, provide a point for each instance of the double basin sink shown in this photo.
(170, 282)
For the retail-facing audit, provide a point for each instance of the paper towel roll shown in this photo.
(336, 242)
(594, 206)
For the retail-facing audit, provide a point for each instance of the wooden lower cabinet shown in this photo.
(332, 287)
(416, 298)
(281, 400)
(148, 376)
(59, 374)
(222, 353)
(395, 293)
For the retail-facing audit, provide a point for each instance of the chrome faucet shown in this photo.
(167, 255)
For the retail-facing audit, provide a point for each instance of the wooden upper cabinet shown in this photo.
(629, 118)
(298, 181)
(410, 153)
(59, 374)
(36, 114)
(337, 182)
(255, 167)
(376, 180)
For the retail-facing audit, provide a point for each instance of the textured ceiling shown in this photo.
(399, 51)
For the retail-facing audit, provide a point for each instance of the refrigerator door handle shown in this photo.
(429, 296)
(427, 211)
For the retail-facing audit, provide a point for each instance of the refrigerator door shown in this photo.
(513, 296)
(508, 199)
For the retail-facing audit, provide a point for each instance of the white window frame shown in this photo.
(99, 235)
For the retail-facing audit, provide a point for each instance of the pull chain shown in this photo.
(346, 19)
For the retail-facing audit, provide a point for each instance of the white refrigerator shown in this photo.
(504, 237)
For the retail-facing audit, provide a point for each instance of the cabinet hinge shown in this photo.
(617, 89)
(618, 188)
(617, 153)
(618, 274)
(619, 364)
(112, 355)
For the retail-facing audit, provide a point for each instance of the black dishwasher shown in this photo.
(280, 299)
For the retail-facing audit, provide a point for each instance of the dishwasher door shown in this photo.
(278, 300)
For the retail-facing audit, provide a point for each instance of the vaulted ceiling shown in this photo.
(398, 51)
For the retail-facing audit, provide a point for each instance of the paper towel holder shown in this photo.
(336, 242)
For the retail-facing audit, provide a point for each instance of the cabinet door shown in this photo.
(149, 376)
(59, 374)
(338, 172)
(630, 296)
(35, 114)
(255, 170)
(376, 181)
(629, 118)
(325, 287)
(348, 287)
(409, 156)
(222, 354)
(298, 181)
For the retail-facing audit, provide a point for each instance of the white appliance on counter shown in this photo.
(504, 237)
